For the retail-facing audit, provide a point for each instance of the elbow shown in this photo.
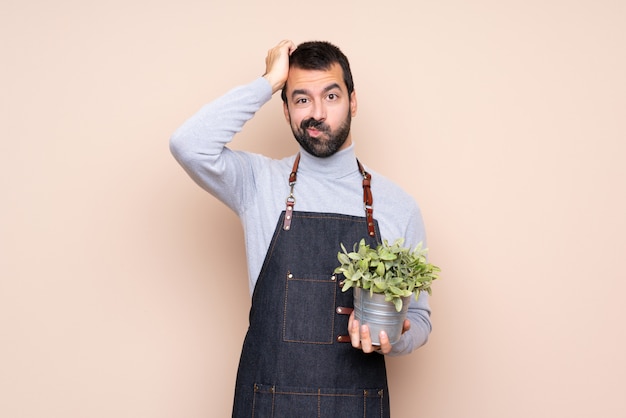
(182, 148)
(177, 147)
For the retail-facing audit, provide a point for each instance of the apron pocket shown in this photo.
(309, 315)
(277, 401)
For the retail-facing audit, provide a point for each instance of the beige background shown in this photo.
(123, 289)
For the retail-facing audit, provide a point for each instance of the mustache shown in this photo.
(313, 123)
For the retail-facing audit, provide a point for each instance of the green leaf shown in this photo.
(355, 256)
(363, 265)
(343, 258)
(380, 283)
(395, 290)
(387, 255)
(380, 269)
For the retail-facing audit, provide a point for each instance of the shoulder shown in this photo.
(263, 170)
(389, 191)
(398, 212)
(260, 162)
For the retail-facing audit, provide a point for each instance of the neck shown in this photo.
(340, 164)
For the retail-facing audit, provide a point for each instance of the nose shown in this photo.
(319, 111)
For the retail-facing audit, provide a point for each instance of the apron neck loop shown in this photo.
(368, 199)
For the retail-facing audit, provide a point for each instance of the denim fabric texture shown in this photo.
(294, 362)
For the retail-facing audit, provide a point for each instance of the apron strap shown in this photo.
(291, 199)
(368, 199)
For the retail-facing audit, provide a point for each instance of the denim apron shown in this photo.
(297, 360)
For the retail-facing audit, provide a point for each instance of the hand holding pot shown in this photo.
(361, 339)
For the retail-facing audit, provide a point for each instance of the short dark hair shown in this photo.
(319, 55)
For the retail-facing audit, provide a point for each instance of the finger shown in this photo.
(366, 340)
(285, 46)
(406, 326)
(385, 346)
(292, 47)
(286, 43)
(353, 330)
(275, 52)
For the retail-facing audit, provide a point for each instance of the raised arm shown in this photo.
(200, 144)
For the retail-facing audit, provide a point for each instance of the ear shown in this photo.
(286, 112)
(353, 104)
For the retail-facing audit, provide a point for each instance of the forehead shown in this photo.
(314, 80)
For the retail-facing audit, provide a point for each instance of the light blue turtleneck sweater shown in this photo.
(255, 187)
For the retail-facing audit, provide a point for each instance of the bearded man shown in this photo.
(304, 354)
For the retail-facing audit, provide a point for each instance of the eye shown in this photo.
(302, 100)
(332, 96)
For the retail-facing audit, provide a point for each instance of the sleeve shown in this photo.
(419, 310)
(200, 144)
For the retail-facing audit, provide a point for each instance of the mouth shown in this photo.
(314, 132)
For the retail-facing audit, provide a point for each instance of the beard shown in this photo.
(328, 142)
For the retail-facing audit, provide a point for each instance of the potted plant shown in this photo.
(384, 278)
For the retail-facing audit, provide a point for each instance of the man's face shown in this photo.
(319, 109)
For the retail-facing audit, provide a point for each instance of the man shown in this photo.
(304, 354)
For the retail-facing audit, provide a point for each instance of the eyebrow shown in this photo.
(306, 92)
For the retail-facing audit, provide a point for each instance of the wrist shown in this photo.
(275, 84)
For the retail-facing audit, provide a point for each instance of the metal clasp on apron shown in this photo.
(291, 199)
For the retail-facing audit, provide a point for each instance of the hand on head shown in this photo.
(277, 64)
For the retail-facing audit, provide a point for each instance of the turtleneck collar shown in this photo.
(341, 164)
